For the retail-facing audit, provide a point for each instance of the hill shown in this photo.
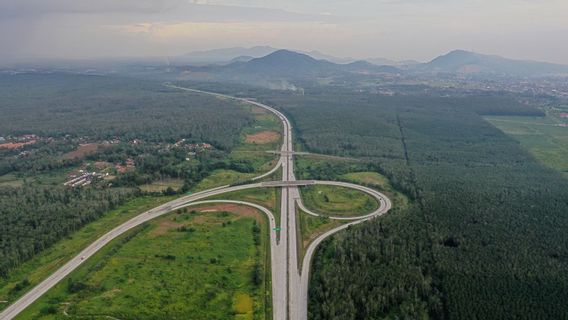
(286, 63)
(460, 61)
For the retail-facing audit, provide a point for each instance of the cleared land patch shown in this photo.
(379, 182)
(82, 151)
(162, 185)
(38, 268)
(196, 266)
(15, 145)
(263, 137)
(546, 138)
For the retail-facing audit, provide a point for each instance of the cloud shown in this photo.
(22, 8)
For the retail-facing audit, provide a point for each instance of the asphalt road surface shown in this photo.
(289, 281)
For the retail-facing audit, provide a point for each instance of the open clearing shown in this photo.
(38, 268)
(82, 151)
(162, 185)
(263, 137)
(333, 200)
(266, 197)
(379, 182)
(185, 265)
(543, 137)
(15, 145)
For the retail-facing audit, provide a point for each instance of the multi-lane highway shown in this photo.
(289, 280)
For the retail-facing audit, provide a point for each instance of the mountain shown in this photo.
(466, 62)
(288, 63)
(284, 63)
(322, 56)
(221, 55)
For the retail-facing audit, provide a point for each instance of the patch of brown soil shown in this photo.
(15, 145)
(164, 226)
(263, 137)
(82, 151)
(241, 210)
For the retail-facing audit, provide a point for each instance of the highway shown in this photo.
(289, 282)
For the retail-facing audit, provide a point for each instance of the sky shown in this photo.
(395, 29)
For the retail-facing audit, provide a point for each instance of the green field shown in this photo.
(543, 137)
(266, 197)
(381, 183)
(162, 185)
(33, 271)
(335, 200)
(189, 265)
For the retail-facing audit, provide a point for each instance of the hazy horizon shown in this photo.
(394, 29)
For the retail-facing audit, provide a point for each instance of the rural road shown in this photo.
(289, 282)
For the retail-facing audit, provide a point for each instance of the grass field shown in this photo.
(193, 265)
(54, 177)
(162, 185)
(335, 200)
(11, 180)
(266, 197)
(33, 271)
(221, 178)
(381, 183)
(543, 137)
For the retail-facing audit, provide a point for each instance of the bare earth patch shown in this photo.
(15, 145)
(82, 151)
(164, 227)
(241, 210)
(263, 137)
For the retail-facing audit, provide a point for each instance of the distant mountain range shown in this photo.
(466, 62)
(290, 64)
(227, 55)
(221, 56)
(269, 62)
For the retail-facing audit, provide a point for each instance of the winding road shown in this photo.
(289, 280)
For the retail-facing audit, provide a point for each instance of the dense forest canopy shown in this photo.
(485, 238)
(106, 107)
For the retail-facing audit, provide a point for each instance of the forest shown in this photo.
(484, 237)
(63, 111)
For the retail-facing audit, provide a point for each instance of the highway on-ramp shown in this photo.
(289, 279)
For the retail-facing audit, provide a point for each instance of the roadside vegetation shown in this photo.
(338, 201)
(378, 181)
(209, 262)
(310, 228)
(31, 272)
(266, 197)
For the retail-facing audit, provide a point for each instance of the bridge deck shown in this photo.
(296, 183)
